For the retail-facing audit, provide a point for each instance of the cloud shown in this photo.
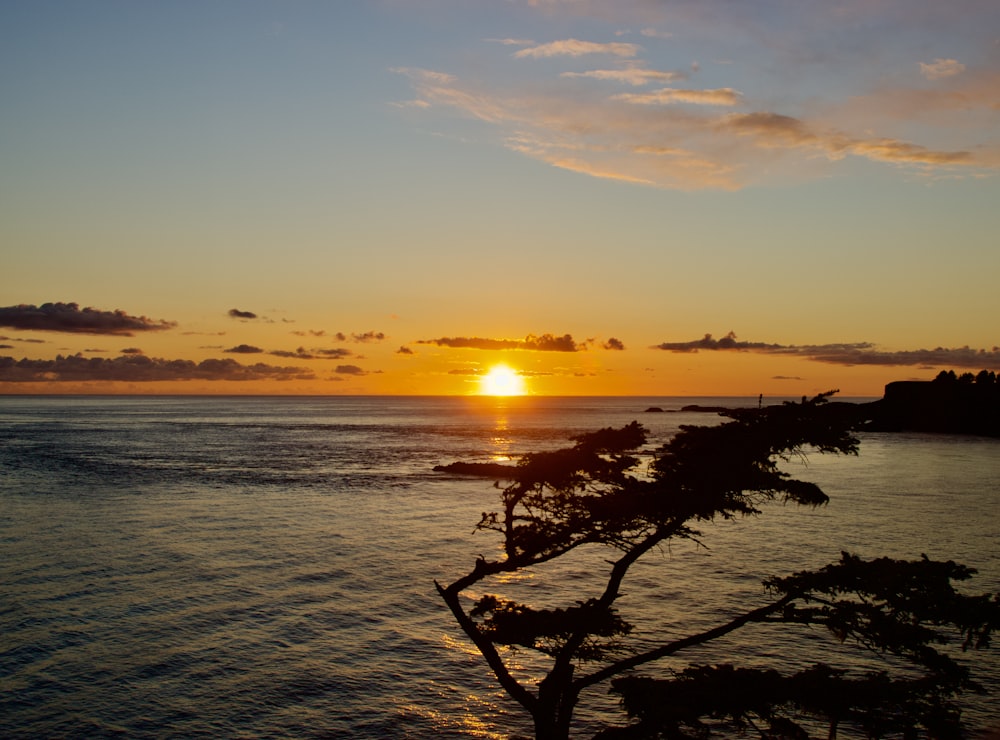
(299, 354)
(472, 343)
(614, 344)
(302, 353)
(672, 146)
(425, 75)
(404, 350)
(773, 131)
(963, 357)
(853, 353)
(788, 127)
(132, 351)
(542, 343)
(941, 68)
(139, 369)
(967, 99)
(669, 95)
(512, 42)
(550, 343)
(576, 48)
(652, 33)
(25, 340)
(237, 314)
(635, 76)
(334, 353)
(349, 370)
(244, 349)
(368, 336)
(69, 318)
(707, 342)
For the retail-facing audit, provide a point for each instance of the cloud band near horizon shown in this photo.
(140, 369)
(542, 343)
(856, 353)
(70, 318)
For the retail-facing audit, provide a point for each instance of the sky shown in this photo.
(645, 197)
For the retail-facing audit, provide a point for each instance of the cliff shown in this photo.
(943, 406)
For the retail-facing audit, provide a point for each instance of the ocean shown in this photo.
(232, 567)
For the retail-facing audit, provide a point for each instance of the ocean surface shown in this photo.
(178, 567)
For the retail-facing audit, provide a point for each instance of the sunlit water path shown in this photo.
(263, 567)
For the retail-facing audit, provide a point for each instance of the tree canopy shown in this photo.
(606, 491)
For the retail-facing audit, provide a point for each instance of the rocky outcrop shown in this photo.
(481, 470)
(949, 406)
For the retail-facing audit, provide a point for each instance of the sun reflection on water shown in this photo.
(500, 441)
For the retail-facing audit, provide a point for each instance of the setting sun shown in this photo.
(501, 381)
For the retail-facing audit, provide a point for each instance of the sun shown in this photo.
(501, 381)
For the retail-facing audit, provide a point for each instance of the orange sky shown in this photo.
(390, 198)
(245, 358)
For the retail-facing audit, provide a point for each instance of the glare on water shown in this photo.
(264, 567)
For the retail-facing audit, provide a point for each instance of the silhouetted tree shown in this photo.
(597, 493)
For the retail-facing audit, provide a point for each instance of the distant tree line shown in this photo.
(983, 377)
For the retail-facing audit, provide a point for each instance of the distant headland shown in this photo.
(949, 404)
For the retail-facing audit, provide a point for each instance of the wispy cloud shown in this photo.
(71, 319)
(614, 344)
(611, 138)
(635, 76)
(368, 336)
(349, 370)
(941, 68)
(236, 313)
(653, 33)
(334, 353)
(541, 343)
(784, 128)
(668, 96)
(852, 353)
(244, 349)
(23, 340)
(512, 42)
(577, 48)
(774, 131)
(137, 368)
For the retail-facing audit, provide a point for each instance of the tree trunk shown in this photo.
(556, 701)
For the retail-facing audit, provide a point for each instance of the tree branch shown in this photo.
(757, 615)
(524, 697)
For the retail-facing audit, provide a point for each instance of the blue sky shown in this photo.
(803, 174)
